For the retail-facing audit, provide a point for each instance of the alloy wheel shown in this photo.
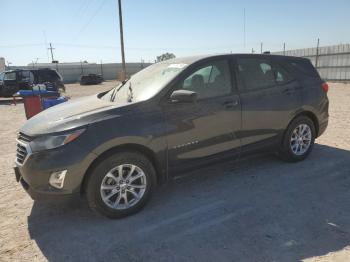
(301, 139)
(123, 186)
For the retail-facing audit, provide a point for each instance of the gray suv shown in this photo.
(116, 146)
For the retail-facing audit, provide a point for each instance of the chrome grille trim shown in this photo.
(22, 152)
(24, 138)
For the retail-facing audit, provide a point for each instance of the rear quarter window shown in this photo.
(303, 68)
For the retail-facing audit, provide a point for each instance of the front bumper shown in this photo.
(35, 173)
(37, 195)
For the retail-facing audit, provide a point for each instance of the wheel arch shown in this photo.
(147, 152)
(310, 115)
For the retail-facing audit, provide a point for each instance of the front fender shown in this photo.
(142, 129)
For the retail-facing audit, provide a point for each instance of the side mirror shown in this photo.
(183, 96)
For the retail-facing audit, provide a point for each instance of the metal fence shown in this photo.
(332, 62)
(72, 72)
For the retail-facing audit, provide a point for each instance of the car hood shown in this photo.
(70, 115)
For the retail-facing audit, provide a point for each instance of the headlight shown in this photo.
(50, 142)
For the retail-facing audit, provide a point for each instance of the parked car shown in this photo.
(91, 79)
(173, 116)
(14, 80)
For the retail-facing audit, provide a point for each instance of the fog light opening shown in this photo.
(57, 179)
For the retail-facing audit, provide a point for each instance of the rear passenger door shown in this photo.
(269, 99)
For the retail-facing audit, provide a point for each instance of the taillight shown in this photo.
(325, 87)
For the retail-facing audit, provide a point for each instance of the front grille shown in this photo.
(23, 148)
(21, 153)
(24, 138)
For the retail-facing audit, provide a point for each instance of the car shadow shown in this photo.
(257, 209)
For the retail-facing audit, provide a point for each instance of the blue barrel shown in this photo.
(42, 93)
(49, 102)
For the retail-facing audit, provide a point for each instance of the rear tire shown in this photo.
(298, 140)
(121, 184)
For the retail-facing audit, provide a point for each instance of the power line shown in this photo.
(90, 20)
(20, 45)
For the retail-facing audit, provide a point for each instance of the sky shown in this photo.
(88, 30)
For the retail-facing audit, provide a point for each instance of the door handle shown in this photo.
(288, 91)
(230, 103)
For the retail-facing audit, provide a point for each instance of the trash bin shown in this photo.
(49, 102)
(32, 100)
(32, 105)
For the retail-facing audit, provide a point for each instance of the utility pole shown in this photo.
(101, 69)
(261, 47)
(244, 30)
(317, 50)
(122, 40)
(284, 48)
(51, 48)
(81, 67)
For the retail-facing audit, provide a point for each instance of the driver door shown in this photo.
(204, 130)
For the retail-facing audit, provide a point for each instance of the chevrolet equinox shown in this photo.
(116, 146)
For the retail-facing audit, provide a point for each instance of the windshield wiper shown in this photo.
(131, 96)
(116, 89)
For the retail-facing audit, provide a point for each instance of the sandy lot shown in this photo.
(258, 209)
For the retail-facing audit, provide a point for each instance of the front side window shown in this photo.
(210, 80)
(256, 73)
(2, 76)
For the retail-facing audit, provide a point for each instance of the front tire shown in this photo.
(121, 184)
(298, 140)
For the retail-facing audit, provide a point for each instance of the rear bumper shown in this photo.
(322, 127)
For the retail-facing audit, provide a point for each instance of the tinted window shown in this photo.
(210, 80)
(256, 73)
(304, 67)
(10, 76)
(282, 76)
(26, 76)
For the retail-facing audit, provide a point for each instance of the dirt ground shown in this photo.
(258, 209)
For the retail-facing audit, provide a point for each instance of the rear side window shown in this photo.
(46, 76)
(26, 76)
(304, 68)
(281, 74)
(256, 73)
